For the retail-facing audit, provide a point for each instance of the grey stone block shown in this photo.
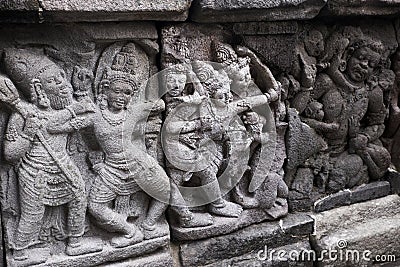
(338, 199)
(271, 260)
(221, 226)
(361, 8)
(19, 11)
(157, 259)
(244, 241)
(108, 254)
(114, 10)
(298, 224)
(393, 177)
(248, 10)
(370, 191)
(372, 225)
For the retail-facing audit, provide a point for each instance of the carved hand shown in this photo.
(158, 106)
(84, 106)
(354, 126)
(32, 125)
(82, 79)
(8, 92)
(359, 143)
(244, 51)
(206, 123)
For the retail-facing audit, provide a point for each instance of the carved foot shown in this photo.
(227, 209)
(23, 258)
(192, 220)
(151, 231)
(245, 201)
(80, 246)
(127, 240)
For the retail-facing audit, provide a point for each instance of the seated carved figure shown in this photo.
(46, 174)
(347, 107)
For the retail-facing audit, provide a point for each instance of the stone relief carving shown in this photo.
(342, 93)
(244, 141)
(221, 103)
(34, 139)
(48, 196)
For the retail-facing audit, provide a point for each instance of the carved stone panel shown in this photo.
(78, 168)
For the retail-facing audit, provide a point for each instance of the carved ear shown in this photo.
(40, 96)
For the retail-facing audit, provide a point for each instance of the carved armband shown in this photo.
(73, 114)
(76, 123)
(12, 134)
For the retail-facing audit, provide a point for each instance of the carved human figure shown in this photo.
(185, 120)
(127, 167)
(46, 174)
(238, 69)
(347, 106)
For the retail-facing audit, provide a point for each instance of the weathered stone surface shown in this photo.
(2, 259)
(93, 10)
(393, 177)
(338, 199)
(372, 225)
(252, 238)
(275, 42)
(255, 259)
(361, 8)
(19, 5)
(109, 254)
(160, 258)
(298, 224)
(110, 10)
(221, 225)
(237, 11)
(361, 193)
(19, 11)
(370, 191)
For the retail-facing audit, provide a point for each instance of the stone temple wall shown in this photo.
(199, 133)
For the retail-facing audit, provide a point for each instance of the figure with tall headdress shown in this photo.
(127, 168)
(47, 176)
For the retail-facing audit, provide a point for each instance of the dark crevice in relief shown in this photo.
(40, 12)
(3, 243)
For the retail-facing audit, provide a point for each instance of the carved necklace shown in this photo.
(113, 119)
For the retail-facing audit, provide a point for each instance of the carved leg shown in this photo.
(218, 206)
(186, 217)
(76, 225)
(32, 212)
(115, 222)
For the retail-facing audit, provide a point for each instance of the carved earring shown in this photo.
(342, 65)
(102, 101)
(41, 98)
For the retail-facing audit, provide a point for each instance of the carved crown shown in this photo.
(23, 65)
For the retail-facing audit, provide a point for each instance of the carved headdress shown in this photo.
(224, 53)
(123, 69)
(22, 66)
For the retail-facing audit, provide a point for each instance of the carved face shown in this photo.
(56, 87)
(314, 44)
(175, 83)
(361, 64)
(119, 94)
(315, 110)
(223, 95)
(242, 77)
